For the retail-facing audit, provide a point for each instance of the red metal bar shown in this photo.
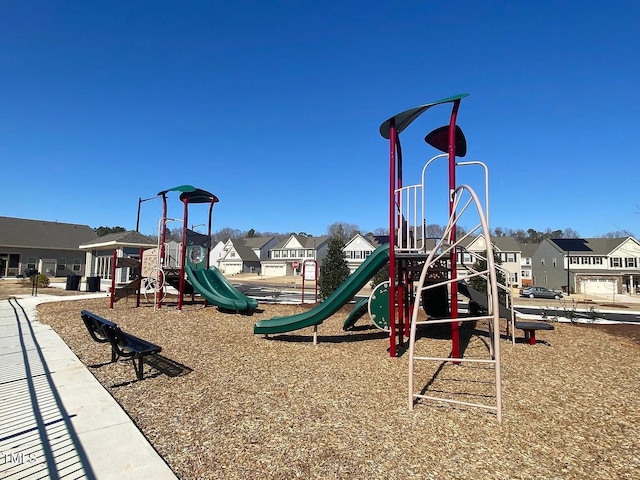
(455, 335)
(114, 259)
(140, 253)
(183, 253)
(163, 239)
(392, 233)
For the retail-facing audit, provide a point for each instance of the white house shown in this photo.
(360, 247)
(245, 255)
(506, 248)
(286, 257)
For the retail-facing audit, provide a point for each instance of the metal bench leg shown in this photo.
(138, 367)
(530, 335)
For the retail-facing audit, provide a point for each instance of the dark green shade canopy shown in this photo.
(192, 194)
(404, 119)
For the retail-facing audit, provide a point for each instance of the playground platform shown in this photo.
(57, 420)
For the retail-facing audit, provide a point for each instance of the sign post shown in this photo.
(310, 272)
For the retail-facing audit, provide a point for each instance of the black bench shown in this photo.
(530, 328)
(123, 344)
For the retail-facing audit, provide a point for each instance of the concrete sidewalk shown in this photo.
(56, 419)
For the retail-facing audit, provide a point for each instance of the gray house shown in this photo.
(51, 248)
(600, 266)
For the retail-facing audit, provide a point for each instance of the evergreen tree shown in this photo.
(334, 269)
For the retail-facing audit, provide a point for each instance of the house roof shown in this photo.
(24, 233)
(528, 249)
(129, 238)
(306, 242)
(595, 246)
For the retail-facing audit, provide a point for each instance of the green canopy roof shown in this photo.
(404, 119)
(192, 194)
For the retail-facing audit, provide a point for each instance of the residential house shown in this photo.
(99, 253)
(599, 266)
(51, 248)
(215, 254)
(360, 247)
(505, 248)
(526, 262)
(287, 257)
(245, 255)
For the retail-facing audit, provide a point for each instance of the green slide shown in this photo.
(345, 292)
(217, 290)
(356, 314)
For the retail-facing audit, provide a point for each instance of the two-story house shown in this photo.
(599, 266)
(526, 263)
(245, 255)
(360, 247)
(505, 248)
(288, 256)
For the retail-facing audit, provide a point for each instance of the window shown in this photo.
(525, 273)
(615, 262)
(630, 262)
(542, 261)
(62, 265)
(554, 261)
(597, 260)
(467, 258)
(527, 261)
(77, 265)
(511, 257)
(276, 253)
(232, 254)
(31, 263)
(574, 260)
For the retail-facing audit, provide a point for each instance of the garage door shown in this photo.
(231, 268)
(274, 270)
(599, 287)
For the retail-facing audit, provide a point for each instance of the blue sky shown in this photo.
(274, 106)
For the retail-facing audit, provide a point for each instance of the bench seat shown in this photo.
(123, 344)
(530, 328)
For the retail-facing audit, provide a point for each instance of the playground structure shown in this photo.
(185, 266)
(426, 268)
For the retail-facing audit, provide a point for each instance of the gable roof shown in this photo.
(129, 238)
(596, 246)
(306, 242)
(24, 233)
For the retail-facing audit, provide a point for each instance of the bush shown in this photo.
(42, 281)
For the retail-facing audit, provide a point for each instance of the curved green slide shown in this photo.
(356, 314)
(345, 292)
(216, 289)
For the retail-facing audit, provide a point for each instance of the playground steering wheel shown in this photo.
(153, 285)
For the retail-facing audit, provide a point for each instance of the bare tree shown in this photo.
(347, 230)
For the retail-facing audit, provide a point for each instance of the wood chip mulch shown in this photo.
(225, 403)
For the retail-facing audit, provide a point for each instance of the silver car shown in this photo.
(539, 292)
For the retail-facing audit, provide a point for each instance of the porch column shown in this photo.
(632, 289)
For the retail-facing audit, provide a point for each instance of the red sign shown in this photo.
(295, 265)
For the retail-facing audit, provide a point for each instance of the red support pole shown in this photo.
(392, 233)
(113, 277)
(455, 334)
(140, 254)
(183, 253)
(163, 240)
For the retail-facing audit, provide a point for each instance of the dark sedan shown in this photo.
(539, 292)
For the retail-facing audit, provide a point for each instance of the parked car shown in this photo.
(539, 292)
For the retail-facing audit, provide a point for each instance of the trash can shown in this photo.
(73, 282)
(93, 284)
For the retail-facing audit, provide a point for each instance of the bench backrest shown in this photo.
(94, 325)
(117, 338)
